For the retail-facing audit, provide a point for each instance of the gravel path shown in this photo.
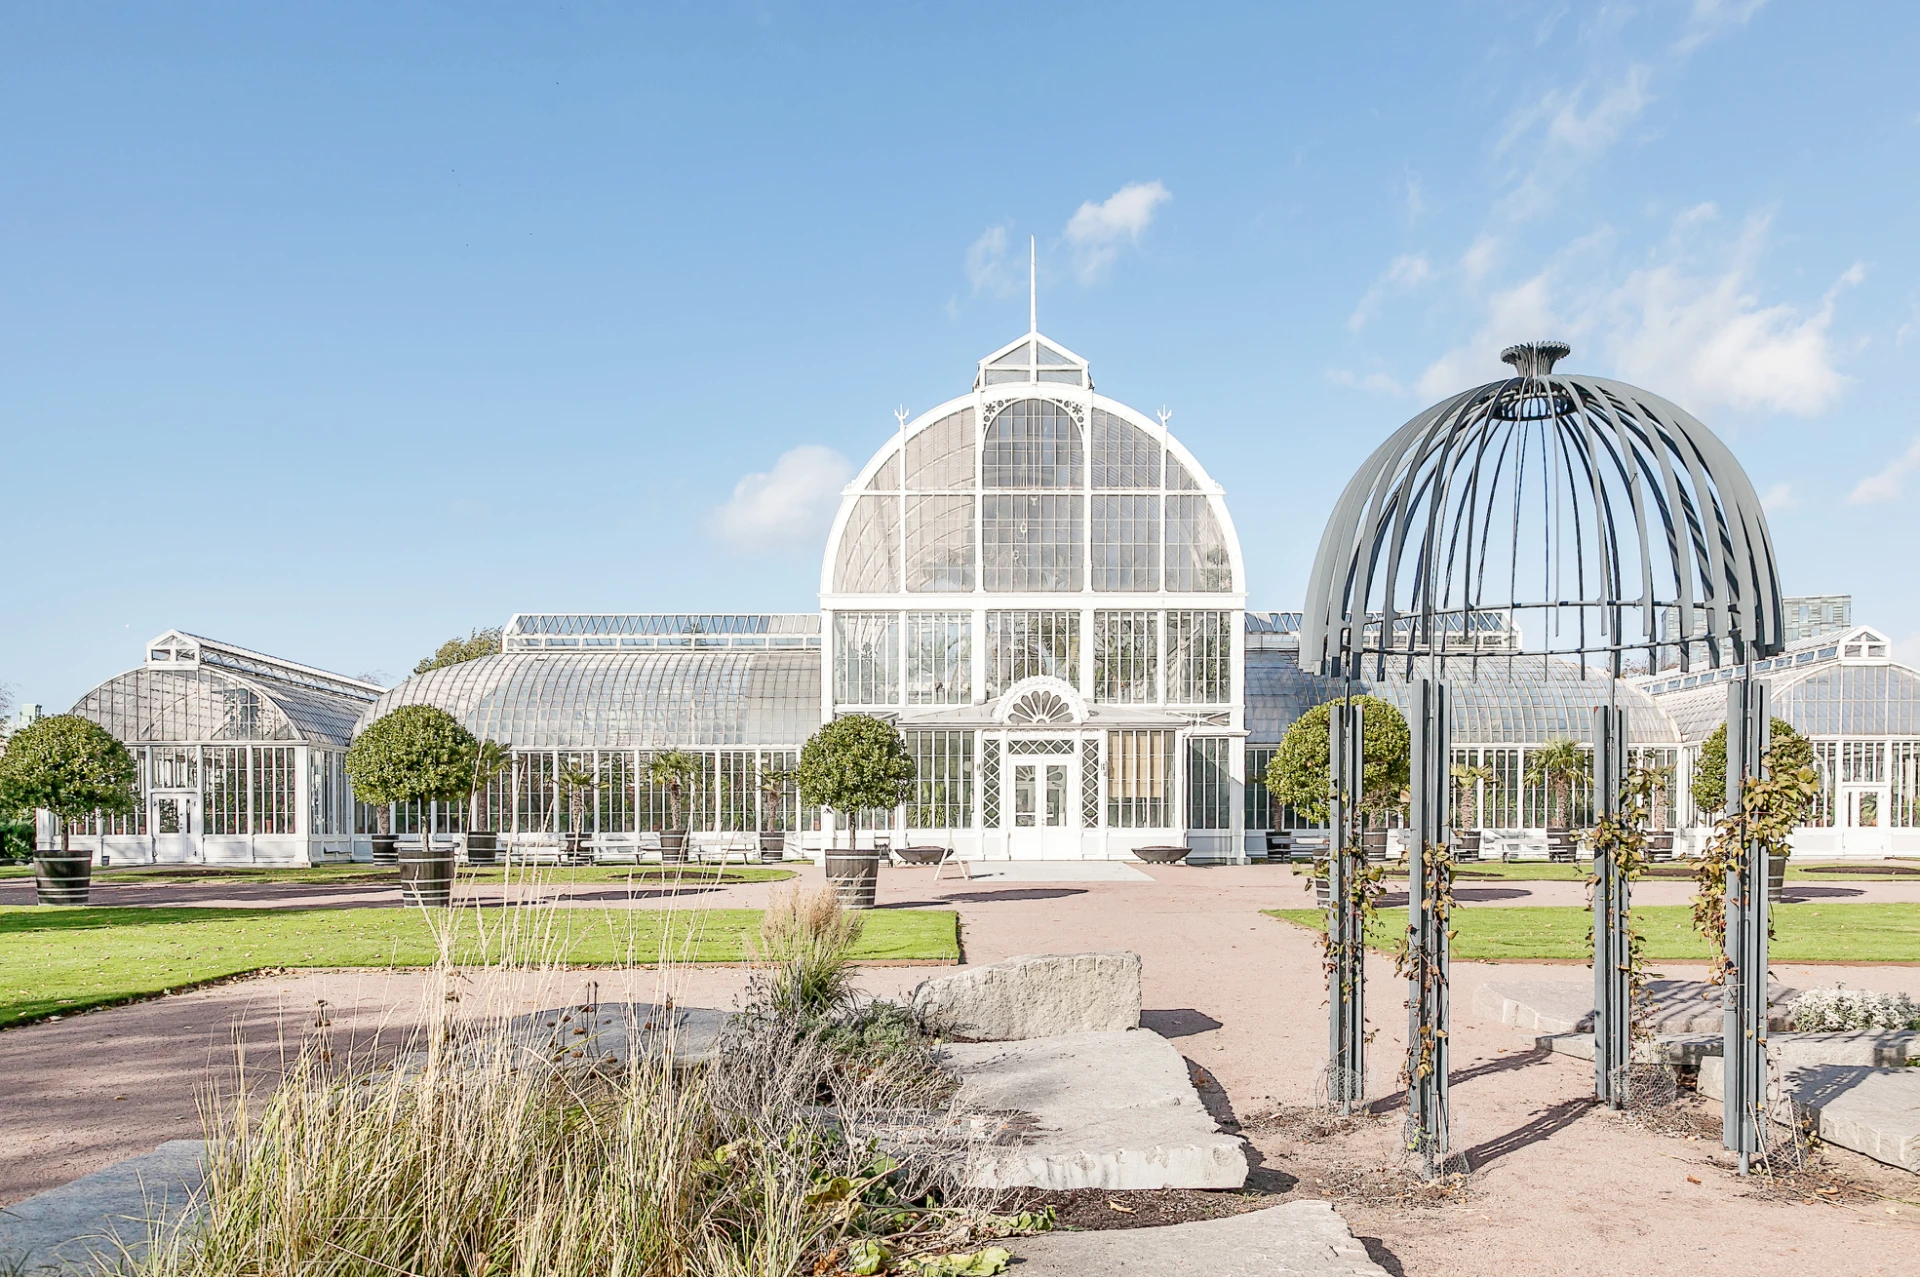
(1557, 1187)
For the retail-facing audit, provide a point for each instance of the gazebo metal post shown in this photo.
(1428, 1060)
(1346, 972)
(1744, 995)
(1612, 990)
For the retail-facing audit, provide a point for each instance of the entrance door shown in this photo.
(173, 817)
(1039, 798)
(1864, 806)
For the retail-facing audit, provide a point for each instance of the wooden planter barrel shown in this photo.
(1373, 844)
(386, 848)
(1466, 846)
(483, 848)
(1776, 876)
(673, 848)
(62, 879)
(773, 846)
(854, 875)
(426, 880)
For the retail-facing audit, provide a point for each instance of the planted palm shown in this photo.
(577, 783)
(673, 773)
(1557, 765)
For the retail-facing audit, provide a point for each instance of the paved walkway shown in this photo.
(1558, 1189)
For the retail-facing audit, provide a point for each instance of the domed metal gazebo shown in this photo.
(1602, 520)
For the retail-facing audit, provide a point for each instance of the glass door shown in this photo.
(1039, 798)
(1863, 806)
(174, 819)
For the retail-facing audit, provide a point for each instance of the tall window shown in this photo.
(226, 803)
(1124, 456)
(1126, 542)
(1260, 809)
(276, 791)
(1209, 784)
(613, 808)
(866, 659)
(942, 793)
(736, 800)
(939, 659)
(1199, 656)
(1139, 776)
(1032, 444)
(1197, 558)
(940, 542)
(1031, 642)
(1032, 541)
(1124, 648)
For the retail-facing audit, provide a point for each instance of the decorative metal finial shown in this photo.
(1535, 359)
(902, 415)
(1165, 413)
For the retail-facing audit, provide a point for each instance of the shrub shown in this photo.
(478, 644)
(1838, 1009)
(412, 753)
(806, 937)
(70, 767)
(853, 763)
(1787, 752)
(1298, 774)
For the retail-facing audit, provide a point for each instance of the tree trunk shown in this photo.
(383, 819)
(64, 829)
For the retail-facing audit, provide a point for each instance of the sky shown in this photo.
(336, 330)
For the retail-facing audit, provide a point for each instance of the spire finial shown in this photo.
(902, 415)
(1033, 285)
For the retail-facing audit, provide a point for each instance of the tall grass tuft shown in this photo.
(803, 1142)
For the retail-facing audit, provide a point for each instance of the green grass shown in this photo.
(64, 959)
(1579, 871)
(1861, 932)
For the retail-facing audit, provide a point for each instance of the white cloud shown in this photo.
(1712, 19)
(1780, 498)
(1408, 271)
(987, 262)
(1689, 321)
(1885, 485)
(1097, 232)
(787, 507)
(1378, 382)
(1479, 258)
(1564, 130)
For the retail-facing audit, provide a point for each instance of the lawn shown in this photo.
(1817, 872)
(1858, 932)
(64, 959)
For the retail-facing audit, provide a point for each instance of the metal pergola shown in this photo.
(1602, 521)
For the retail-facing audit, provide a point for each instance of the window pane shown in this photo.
(939, 659)
(1126, 542)
(1139, 771)
(940, 543)
(1032, 444)
(1199, 656)
(866, 659)
(1032, 542)
(1124, 647)
(1197, 558)
(869, 558)
(941, 455)
(943, 779)
(1209, 784)
(1023, 643)
(1124, 456)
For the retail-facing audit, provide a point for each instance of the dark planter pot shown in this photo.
(483, 848)
(1660, 846)
(1322, 892)
(1560, 844)
(1466, 846)
(773, 846)
(386, 848)
(426, 880)
(1776, 876)
(62, 879)
(1165, 854)
(921, 855)
(573, 845)
(1373, 845)
(854, 875)
(673, 848)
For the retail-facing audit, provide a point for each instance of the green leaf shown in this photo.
(867, 1257)
(987, 1262)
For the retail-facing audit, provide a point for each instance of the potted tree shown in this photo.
(416, 753)
(1556, 766)
(1787, 752)
(852, 763)
(674, 773)
(1467, 781)
(71, 768)
(1298, 774)
(490, 760)
(1660, 836)
(773, 793)
(577, 784)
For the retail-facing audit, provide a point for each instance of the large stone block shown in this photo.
(1299, 1238)
(1030, 996)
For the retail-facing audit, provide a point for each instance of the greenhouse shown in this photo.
(241, 756)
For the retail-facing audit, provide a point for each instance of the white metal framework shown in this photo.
(1050, 582)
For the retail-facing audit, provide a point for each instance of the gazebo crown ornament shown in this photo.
(1599, 516)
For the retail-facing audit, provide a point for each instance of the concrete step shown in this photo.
(1299, 1238)
(1872, 1110)
(1553, 1007)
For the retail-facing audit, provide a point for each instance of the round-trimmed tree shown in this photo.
(412, 753)
(1786, 752)
(1299, 776)
(854, 762)
(70, 767)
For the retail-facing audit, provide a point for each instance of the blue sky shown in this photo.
(335, 330)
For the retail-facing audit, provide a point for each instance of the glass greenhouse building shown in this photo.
(1042, 588)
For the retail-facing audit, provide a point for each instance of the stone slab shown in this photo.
(82, 1228)
(1299, 1238)
(1686, 1050)
(1111, 1109)
(613, 1033)
(1551, 1007)
(1033, 996)
(1872, 1110)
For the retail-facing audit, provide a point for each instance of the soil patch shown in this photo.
(1092, 1209)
